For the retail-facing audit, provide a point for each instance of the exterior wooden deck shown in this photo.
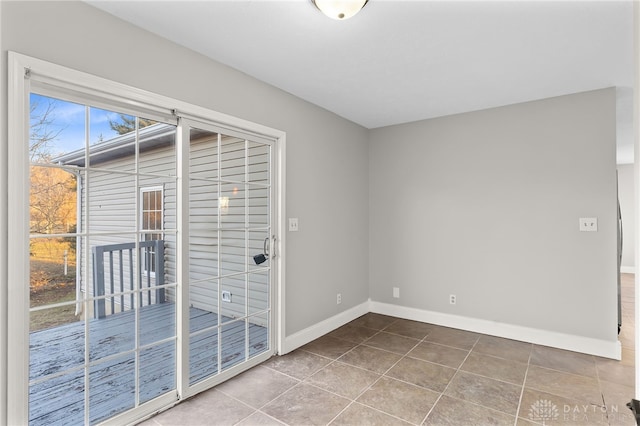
(60, 400)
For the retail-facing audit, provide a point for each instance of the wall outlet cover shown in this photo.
(588, 224)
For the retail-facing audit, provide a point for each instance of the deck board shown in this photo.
(60, 400)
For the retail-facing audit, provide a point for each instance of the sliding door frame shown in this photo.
(22, 71)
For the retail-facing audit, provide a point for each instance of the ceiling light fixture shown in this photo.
(339, 9)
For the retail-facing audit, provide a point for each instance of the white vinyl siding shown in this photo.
(112, 206)
(243, 213)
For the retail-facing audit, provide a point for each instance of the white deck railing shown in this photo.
(113, 276)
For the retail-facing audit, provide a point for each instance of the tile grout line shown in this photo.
(255, 410)
(459, 369)
(260, 412)
(378, 379)
(604, 402)
(332, 361)
(453, 377)
(524, 381)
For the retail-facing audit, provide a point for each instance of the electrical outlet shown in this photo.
(589, 224)
(226, 296)
(452, 299)
(339, 299)
(396, 292)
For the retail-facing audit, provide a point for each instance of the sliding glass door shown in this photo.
(142, 267)
(230, 239)
(102, 318)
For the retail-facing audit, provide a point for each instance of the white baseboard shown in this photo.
(604, 348)
(587, 345)
(310, 334)
(628, 269)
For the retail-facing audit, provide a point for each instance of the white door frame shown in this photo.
(22, 71)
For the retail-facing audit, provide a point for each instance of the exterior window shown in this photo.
(151, 220)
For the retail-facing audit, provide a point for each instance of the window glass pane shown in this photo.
(233, 298)
(258, 292)
(53, 200)
(232, 205)
(232, 252)
(152, 201)
(111, 387)
(56, 128)
(233, 161)
(157, 223)
(258, 334)
(203, 155)
(58, 401)
(234, 339)
(108, 125)
(112, 202)
(52, 277)
(56, 341)
(157, 370)
(157, 148)
(258, 161)
(112, 140)
(153, 207)
(258, 208)
(203, 352)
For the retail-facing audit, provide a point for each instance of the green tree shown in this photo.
(126, 123)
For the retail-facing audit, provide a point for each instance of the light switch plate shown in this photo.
(588, 224)
(293, 224)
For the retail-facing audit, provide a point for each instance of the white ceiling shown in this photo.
(401, 61)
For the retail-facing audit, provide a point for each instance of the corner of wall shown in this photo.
(309, 334)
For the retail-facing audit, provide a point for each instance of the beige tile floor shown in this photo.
(379, 370)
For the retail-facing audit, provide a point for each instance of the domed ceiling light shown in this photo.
(339, 9)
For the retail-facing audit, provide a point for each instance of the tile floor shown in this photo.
(379, 370)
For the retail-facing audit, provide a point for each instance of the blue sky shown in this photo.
(68, 119)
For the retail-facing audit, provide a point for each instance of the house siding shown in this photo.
(113, 194)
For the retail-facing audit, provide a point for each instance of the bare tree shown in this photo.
(41, 132)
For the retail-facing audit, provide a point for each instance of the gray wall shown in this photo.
(627, 206)
(485, 205)
(327, 162)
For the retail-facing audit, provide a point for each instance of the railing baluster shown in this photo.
(131, 282)
(140, 271)
(121, 280)
(159, 250)
(111, 283)
(150, 260)
(149, 256)
(98, 281)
